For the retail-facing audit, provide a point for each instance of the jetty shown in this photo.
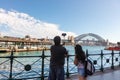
(23, 44)
(17, 44)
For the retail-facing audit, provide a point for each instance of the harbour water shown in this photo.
(91, 49)
(19, 63)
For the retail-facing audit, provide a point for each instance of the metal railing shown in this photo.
(30, 67)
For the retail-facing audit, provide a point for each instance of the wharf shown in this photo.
(107, 75)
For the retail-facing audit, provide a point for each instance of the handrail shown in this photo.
(99, 61)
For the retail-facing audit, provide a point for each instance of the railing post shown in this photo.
(42, 73)
(67, 72)
(11, 65)
(87, 54)
(119, 56)
(102, 61)
(112, 54)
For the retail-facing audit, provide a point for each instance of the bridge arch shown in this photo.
(80, 37)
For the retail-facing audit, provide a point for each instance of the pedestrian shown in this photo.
(79, 61)
(57, 60)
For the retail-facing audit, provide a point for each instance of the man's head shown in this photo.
(57, 40)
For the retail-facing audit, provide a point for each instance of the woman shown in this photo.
(79, 61)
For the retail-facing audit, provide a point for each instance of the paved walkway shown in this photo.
(108, 75)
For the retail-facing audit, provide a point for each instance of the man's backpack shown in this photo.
(89, 67)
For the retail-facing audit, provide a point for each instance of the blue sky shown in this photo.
(74, 17)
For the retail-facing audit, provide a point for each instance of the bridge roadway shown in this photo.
(107, 75)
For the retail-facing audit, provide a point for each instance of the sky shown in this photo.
(48, 18)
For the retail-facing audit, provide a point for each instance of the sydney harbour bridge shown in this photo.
(90, 39)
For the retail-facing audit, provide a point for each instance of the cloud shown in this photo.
(13, 23)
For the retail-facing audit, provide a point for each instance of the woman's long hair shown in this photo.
(80, 55)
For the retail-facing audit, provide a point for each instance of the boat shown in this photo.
(113, 48)
(3, 51)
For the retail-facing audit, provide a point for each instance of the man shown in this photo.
(57, 60)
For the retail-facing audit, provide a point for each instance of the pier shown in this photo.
(22, 44)
(37, 67)
(8, 43)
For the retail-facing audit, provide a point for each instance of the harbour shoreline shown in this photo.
(23, 50)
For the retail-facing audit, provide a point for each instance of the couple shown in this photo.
(57, 60)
